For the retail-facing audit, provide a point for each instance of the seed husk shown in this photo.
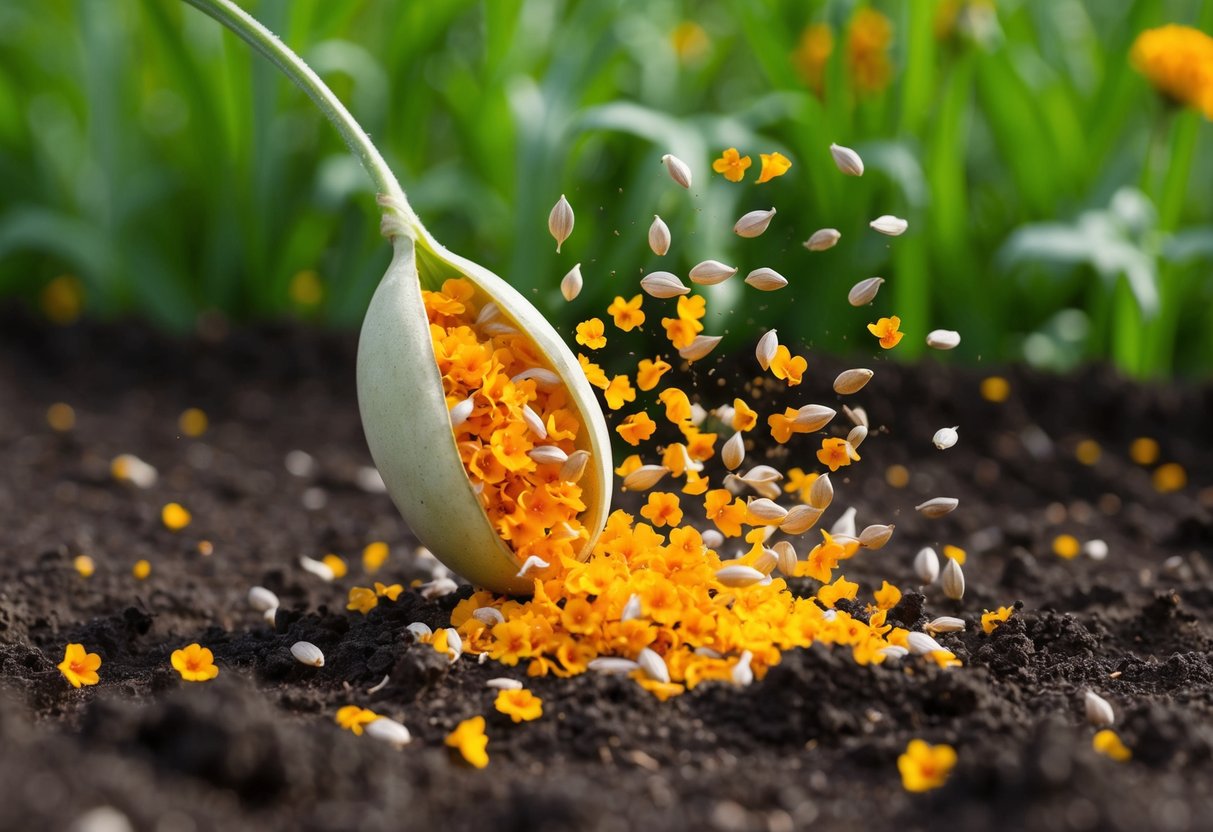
(856, 436)
(560, 221)
(767, 511)
(753, 223)
(876, 536)
(847, 160)
(937, 507)
(503, 683)
(852, 381)
(864, 292)
(262, 599)
(711, 272)
(823, 239)
(738, 576)
(678, 170)
(953, 580)
(307, 653)
(700, 347)
(943, 339)
(1099, 710)
(574, 466)
(733, 452)
(800, 519)
(548, 455)
(926, 565)
(889, 225)
(659, 236)
(844, 526)
(663, 285)
(813, 417)
(760, 474)
(653, 665)
(644, 477)
(945, 624)
(438, 588)
(613, 666)
(390, 731)
(821, 493)
(766, 280)
(921, 644)
(768, 344)
(785, 554)
(894, 651)
(945, 438)
(571, 283)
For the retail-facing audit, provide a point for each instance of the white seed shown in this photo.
(847, 160)
(800, 519)
(1095, 549)
(953, 580)
(503, 683)
(498, 327)
(821, 493)
(419, 630)
(945, 438)
(766, 561)
(261, 599)
(489, 616)
(299, 463)
(742, 674)
(713, 539)
(711, 272)
(786, 559)
(461, 411)
(708, 652)
(945, 624)
(753, 223)
(571, 283)
(857, 415)
(317, 567)
(943, 339)
(563, 531)
(659, 236)
(700, 347)
(823, 239)
(921, 644)
(767, 511)
(813, 417)
(768, 344)
(438, 588)
(937, 507)
(533, 562)
(134, 470)
(852, 381)
(678, 170)
(737, 576)
(543, 377)
(270, 616)
(844, 526)
(926, 565)
(1099, 710)
(653, 665)
(534, 422)
(548, 455)
(761, 474)
(644, 477)
(560, 221)
(766, 280)
(876, 536)
(698, 414)
(663, 285)
(856, 436)
(612, 666)
(574, 466)
(889, 225)
(390, 731)
(733, 452)
(894, 651)
(631, 609)
(725, 413)
(489, 312)
(380, 685)
(864, 292)
(454, 643)
(307, 653)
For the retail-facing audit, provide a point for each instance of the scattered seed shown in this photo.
(738, 576)
(768, 511)
(454, 643)
(534, 422)
(754, 223)
(678, 170)
(533, 562)
(864, 292)
(852, 381)
(926, 565)
(945, 624)
(713, 539)
(489, 616)
(847, 160)
(813, 417)
(760, 474)
(937, 507)
(548, 455)
(1095, 549)
(132, 469)
(438, 588)
(711, 272)
(733, 452)
(644, 477)
(844, 526)
(542, 376)
(943, 339)
(889, 225)
(574, 466)
(663, 285)
(858, 415)
(894, 651)
(1099, 710)
(503, 683)
(560, 221)
(700, 347)
(768, 344)
(390, 731)
(785, 554)
(821, 493)
(307, 653)
(953, 580)
(571, 283)
(742, 674)
(766, 561)
(262, 599)
(876, 536)
(659, 236)
(631, 609)
(461, 411)
(945, 438)
(823, 239)
(800, 519)
(489, 312)
(921, 644)
(613, 666)
(653, 665)
(766, 280)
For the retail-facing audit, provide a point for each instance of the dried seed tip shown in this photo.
(742, 674)
(847, 160)
(534, 422)
(733, 452)
(813, 417)
(261, 599)
(857, 415)
(1099, 710)
(644, 477)
(926, 565)
(766, 511)
(889, 225)
(700, 347)
(390, 731)
(678, 170)
(461, 411)
(659, 236)
(821, 493)
(738, 576)
(800, 519)
(632, 609)
(548, 455)
(766, 280)
(307, 653)
(945, 438)
(1095, 549)
(876, 536)
(419, 630)
(571, 283)
(574, 466)
(945, 624)
(503, 683)
(937, 507)
(768, 344)
(844, 526)
(943, 339)
(823, 239)
(713, 539)
(864, 292)
(921, 644)
(711, 272)
(560, 221)
(953, 580)
(490, 616)
(856, 436)
(663, 285)
(852, 381)
(653, 665)
(754, 223)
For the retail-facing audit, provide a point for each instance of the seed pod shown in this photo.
(953, 580)
(644, 477)
(768, 344)
(261, 599)
(461, 411)
(857, 415)
(823, 239)
(653, 665)
(864, 292)
(489, 616)
(852, 381)
(856, 436)
(844, 526)
(560, 221)
(678, 170)
(921, 644)
(926, 565)
(943, 339)
(733, 452)
(419, 630)
(711, 272)
(945, 438)
(713, 539)
(847, 160)
(390, 731)
(1099, 710)
(574, 466)
(738, 576)
(631, 609)
(754, 223)
(307, 653)
(800, 519)
(571, 283)
(889, 225)
(766, 511)
(937, 507)
(548, 455)
(700, 347)
(766, 280)
(876, 536)
(945, 624)
(503, 683)
(821, 493)
(663, 285)
(813, 417)
(659, 236)
(785, 555)
(742, 674)
(766, 561)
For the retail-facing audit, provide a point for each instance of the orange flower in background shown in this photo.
(773, 164)
(519, 705)
(689, 41)
(785, 366)
(590, 334)
(744, 419)
(469, 740)
(680, 331)
(692, 308)
(627, 313)
(836, 453)
(677, 405)
(79, 667)
(195, 663)
(1178, 61)
(924, 766)
(593, 373)
(1107, 742)
(619, 392)
(636, 428)
(731, 165)
(812, 54)
(353, 718)
(662, 509)
(886, 329)
(868, 41)
(649, 373)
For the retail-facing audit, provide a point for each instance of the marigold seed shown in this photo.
(800, 519)
(921, 644)
(889, 225)
(847, 160)
(857, 415)
(937, 507)
(1099, 710)
(560, 221)
(534, 422)
(489, 312)
(548, 455)
(644, 477)
(864, 292)
(785, 554)
(571, 283)
(733, 452)
(700, 347)
(533, 562)
(852, 381)
(754, 223)
(489, 616)
(498, 327)
(876, 536)
(844, 526)
(821, 493)
(503, 683)
(856, 436)
(542, 376)
(613, 666)
(419, 630)
(438, 588)
(713, 539)
(1095, 549)
(945, 438)
(926, 565)
(663, 285)
(945, 624)
(317, 567)
(262, 599)
(766, 280)
(659, 236)
(711, 272)
(454, 643)
(766, 562)
(953, 580)
(390, 731)
(678, 170)
(943, 339)
(461, 411)
(894, 651)
(813, 417)
(631, 609)
(742, 674)
(823, 239)
(132, 469)
(766, 511)
(653, 665)
(738, 576)
(574, 466)
(307, 653)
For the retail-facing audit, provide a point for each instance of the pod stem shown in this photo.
(359, 143)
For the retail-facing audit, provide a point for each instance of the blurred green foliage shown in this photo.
(1059, 209)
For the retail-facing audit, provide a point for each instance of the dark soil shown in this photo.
(814, 745)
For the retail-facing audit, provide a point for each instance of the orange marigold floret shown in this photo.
(662, 509)
(732, 165)
(649, 373)
(619, 392)
(886, 329)
(635, 429)
(627, 313)
(773, 165)
(836, 453)
(593, 373)
(591, 334)
(787, 367)
(519, 705)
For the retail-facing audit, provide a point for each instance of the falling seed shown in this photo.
(852, 381)
(937, 507)
(768, 344)
(864, 292)
(821, 493)
(953, 580)
(571, 283)
(317, 567)
(548, 455)
(574, 466)
(889, 225)
(653, 665)
(132, 469)
(926, 565)
(767, 511)
(876, 536)
(733, 452)
(823, 239)
(534, 422)
(700, 347)
(857, 415)
(856, 436)
(632, 609)
(1095, 549)
(742, 674)
(307, 653)
(560, 221)
(461, 411)
(813, 417)
(711, 272)
(847, 160)
(390, 731)
(533, 562)
(503, 683)
(921, 644)
(766, 280)
(844, 526)
(613, 666)
(1099, 710)
(800, 519)
(678, 170)
(943, 339)
(760, 474)
(663, 285)
(419, 630)
(489, 616)
(644, 477)
(945, 624)
(945, 438)
(754, 223)
(659, 236)
(261, 599)
(785, 554)
(713, 539)
(738, 576)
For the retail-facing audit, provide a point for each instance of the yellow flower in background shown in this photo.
(732, 165)
(175, 517)
(590, 334)
(469, 740)
(690, 41)
(1178, 61)
(519, 705)
(306, 288)
(773, 164)
(335, 563)
(141, 569)
(353, 718)
(924, 766)
(79, 667)
(991, 620)
(62, 299)
(192, 422)
(812, 54)
(868, 41)
(1106, 742)
(195, 663)
(374, 556)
